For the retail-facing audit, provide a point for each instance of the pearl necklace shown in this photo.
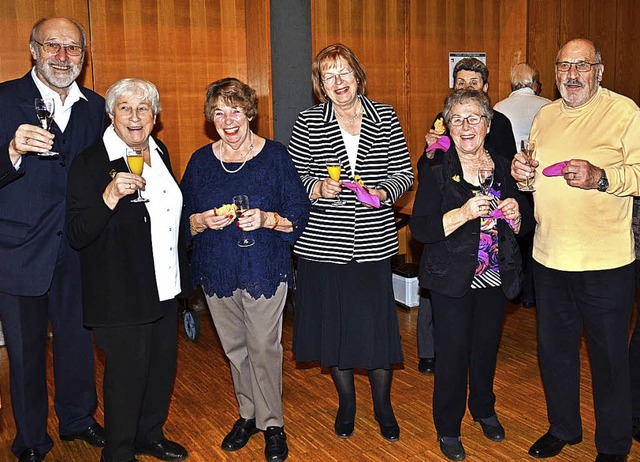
(246, 156)
(348, 120)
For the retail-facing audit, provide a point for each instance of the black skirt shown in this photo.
(346, 315)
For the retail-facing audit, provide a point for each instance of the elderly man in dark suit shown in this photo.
(39, 272)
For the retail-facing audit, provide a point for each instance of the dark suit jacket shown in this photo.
(32, 199)
(448, 262)
(118, 275)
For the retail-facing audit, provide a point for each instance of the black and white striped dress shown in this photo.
(345, 309)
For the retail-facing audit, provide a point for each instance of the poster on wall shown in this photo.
(455, 56)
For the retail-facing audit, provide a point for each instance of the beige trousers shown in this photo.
(250, 332)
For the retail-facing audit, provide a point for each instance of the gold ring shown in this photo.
(26, 140)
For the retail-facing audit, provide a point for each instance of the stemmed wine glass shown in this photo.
(242, 204)
(135, 161)
(44, 113)
(529, 151)
(485, 178)
(333, 167)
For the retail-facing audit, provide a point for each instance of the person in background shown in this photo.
(473, 74)
(245, 286)
(133, 267)
(345, 309)
(583, 249)
(520, 107)
(39, 271)
(523, 103)
(470, 264)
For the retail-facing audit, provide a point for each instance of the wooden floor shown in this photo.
(204, 407)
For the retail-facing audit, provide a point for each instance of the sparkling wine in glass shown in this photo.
(333, 167)
(485, 179)
(529, 151)
(242, 204)
(135, 162)
(44, 113)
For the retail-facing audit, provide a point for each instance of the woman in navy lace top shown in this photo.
(245, 287)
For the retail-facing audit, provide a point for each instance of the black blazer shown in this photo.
(118, 275)
(448, 263)
(32, 199)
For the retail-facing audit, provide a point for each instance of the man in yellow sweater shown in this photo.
(584, 249)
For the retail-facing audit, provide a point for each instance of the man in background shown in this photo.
(520, 107)
(39, 272)
(523, 103)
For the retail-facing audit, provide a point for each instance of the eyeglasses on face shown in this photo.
(581, 66)
(53, 48)
(473, 119)
(329, 79)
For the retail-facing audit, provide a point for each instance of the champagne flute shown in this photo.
(529, 151)
(135, 162)
(242, 204)
(485, 178)
(44, 113)
(333, 167)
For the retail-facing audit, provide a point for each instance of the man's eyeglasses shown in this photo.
(581, 66)
(53, 48)
(472, 119)
(330, 78)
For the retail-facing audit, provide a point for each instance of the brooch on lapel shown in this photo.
(456, 178)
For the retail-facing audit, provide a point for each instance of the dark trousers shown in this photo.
(424, 327)
(24, 323)
(140, 367)
(467, 336)
(601, 302)
(634, 356)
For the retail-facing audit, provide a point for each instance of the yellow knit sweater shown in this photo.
(577, 229)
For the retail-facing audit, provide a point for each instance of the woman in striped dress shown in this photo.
(345, 309)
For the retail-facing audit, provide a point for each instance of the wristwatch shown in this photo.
(603, 182)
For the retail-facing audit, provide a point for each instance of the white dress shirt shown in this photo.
(520, 107)
(164, 207)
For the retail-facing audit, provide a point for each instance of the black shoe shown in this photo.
(239, 435)
(427, 365)
(611, 457)
(343, 429)
(635, 430)
(275, 447)
(452, 451)
(94, 435)
(162, 449)
(102, 459)
(390, 432)
(549, 446)
(30, 455)
(493, 432)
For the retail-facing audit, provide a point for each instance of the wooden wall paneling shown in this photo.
(603, 22)
(181, 48)
(513, 43)
(544, 37)
(17, 19)
(258, 53)
(626, 74)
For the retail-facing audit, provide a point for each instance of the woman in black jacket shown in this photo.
(471, 265)
(132, 270)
